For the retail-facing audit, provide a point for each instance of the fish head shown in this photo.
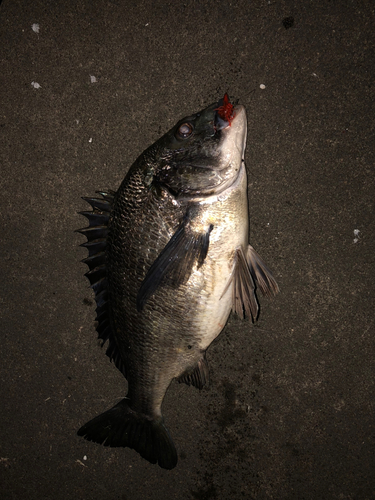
(202, 154)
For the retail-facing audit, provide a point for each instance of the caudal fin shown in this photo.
(121, 426)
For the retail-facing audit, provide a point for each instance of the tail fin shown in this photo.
(121, 426)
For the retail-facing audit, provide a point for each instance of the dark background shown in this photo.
(289, 412)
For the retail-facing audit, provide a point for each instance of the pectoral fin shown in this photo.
(176, 260)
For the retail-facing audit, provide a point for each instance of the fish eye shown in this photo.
(185, 130)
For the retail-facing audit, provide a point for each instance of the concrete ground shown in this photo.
(289, 412)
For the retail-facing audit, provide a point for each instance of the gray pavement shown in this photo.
(289, 412)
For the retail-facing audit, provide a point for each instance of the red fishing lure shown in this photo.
(226, 110)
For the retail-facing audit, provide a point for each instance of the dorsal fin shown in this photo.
(96, 234)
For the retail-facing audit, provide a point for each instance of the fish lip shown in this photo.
(240, 112)
(237, 111)
(219, 123)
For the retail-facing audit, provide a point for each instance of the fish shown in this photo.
(169, 259)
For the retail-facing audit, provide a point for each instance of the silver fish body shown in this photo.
(169, 259)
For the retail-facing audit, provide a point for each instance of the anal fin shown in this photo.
(197, 377)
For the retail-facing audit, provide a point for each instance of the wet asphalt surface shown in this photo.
(289, 412)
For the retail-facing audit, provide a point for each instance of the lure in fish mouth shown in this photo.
(224, 113)
(169, 259)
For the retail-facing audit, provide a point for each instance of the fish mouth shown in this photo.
(232, 147)
(235, 134)
(224, 113)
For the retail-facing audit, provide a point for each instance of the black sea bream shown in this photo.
(169, 259)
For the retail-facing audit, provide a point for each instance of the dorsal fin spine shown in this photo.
(96, 234)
